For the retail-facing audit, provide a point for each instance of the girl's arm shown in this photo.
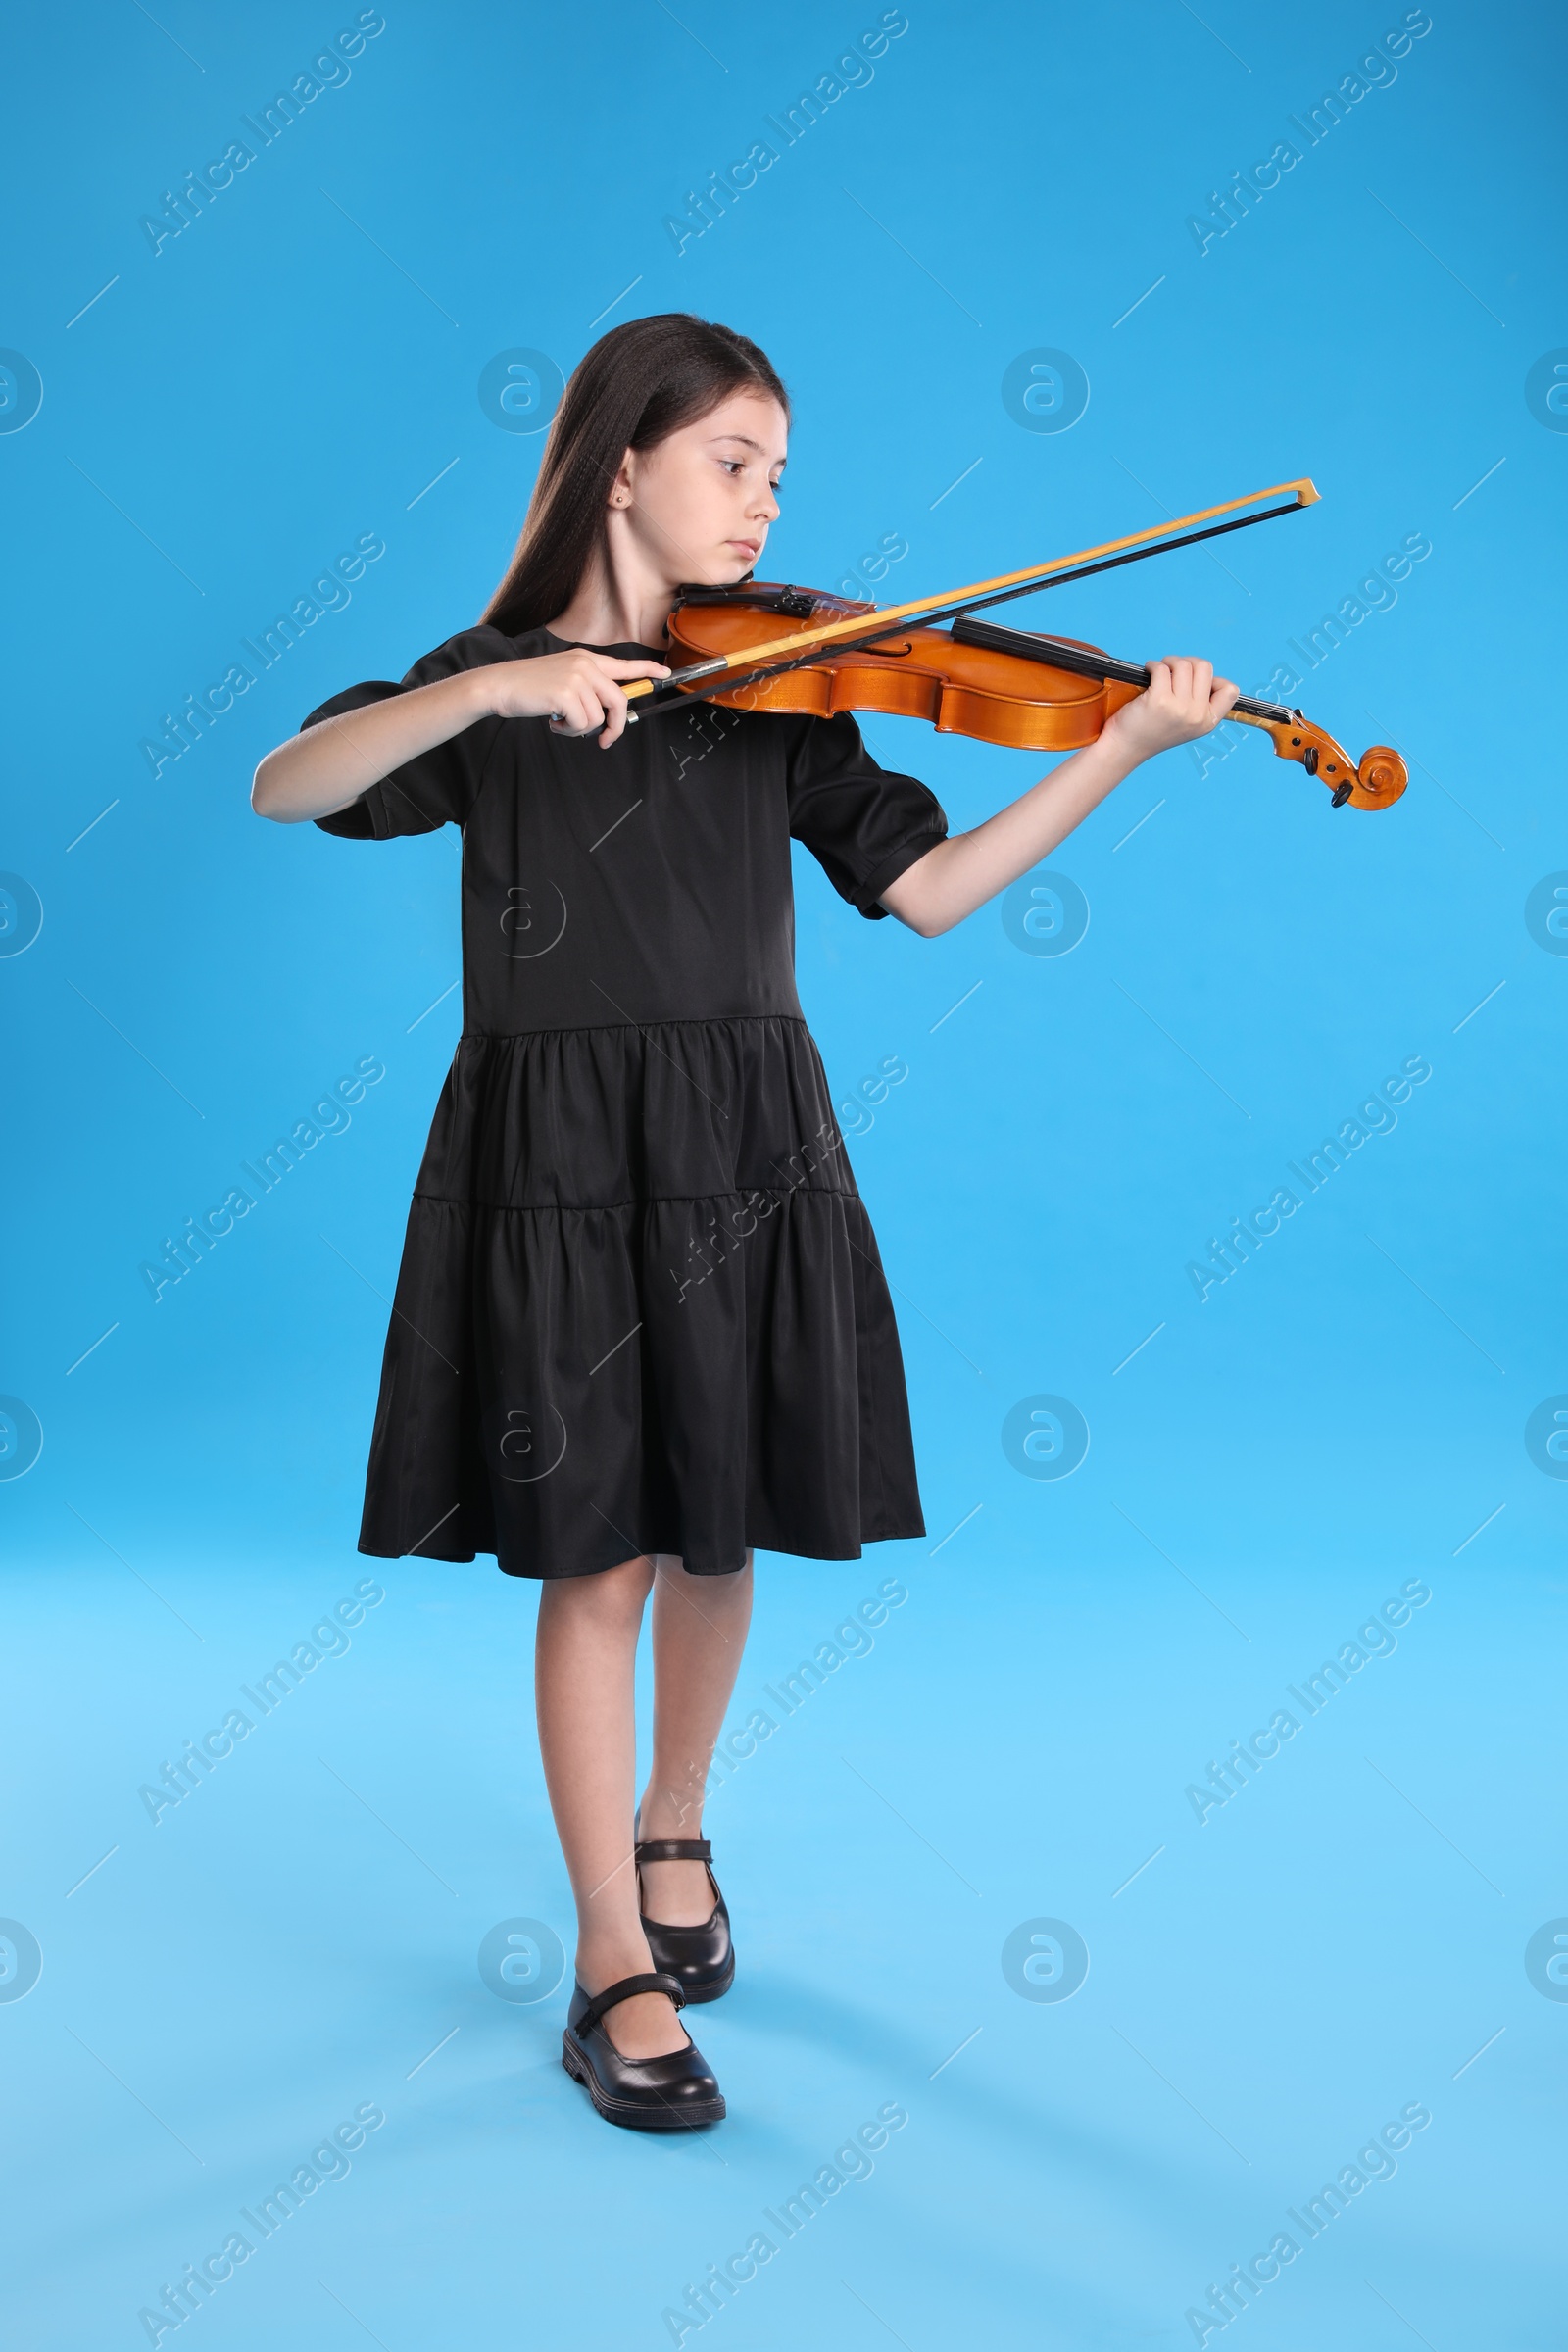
(331, 763)
(1183, 700)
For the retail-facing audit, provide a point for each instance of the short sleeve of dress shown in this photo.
(864, 824)
(437, 787)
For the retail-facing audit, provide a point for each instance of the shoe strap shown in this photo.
(650, 1981)
(673, 1850)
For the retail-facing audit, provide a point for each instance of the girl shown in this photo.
(581, 1376)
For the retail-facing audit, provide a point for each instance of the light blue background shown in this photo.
(300, 367)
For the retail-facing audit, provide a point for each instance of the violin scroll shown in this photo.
(1375, 782)
(1381, 777)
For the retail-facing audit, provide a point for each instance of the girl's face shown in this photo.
(697, 506)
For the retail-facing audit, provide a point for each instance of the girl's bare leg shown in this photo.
(584, 1673)
(700, 1625)
(584, 1666)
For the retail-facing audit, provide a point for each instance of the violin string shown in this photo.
(1058, 652)
(665, 699)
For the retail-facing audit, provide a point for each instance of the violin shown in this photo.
(780, 648)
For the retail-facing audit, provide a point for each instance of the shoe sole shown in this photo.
(634, 2117)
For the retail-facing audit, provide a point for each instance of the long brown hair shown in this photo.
(638, 384)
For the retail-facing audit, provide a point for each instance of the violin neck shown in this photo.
(1030, 645)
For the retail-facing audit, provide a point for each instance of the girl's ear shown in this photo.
(620, 488)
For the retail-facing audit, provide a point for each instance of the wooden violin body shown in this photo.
(920, 674)
(1001, 686)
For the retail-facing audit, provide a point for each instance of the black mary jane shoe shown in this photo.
(702, 1958)
(671, 2094)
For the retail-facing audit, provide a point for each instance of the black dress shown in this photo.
(639, 1306)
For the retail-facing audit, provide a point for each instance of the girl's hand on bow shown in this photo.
(578, 692)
